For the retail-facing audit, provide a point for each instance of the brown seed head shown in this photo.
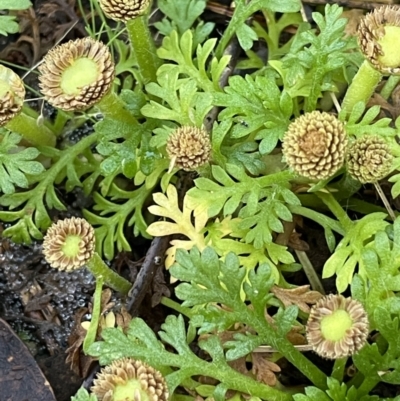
(12, 94)
(189, 147)
(379, 34)
(124, 10)
(314, 145)
(369, 159)
(76, 75)
(69, 244)
(337, 327)
(132, 380)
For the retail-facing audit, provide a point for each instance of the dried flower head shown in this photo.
(314, 145)
(12, 94)
(337, 327)
(130, 380)
(189, 147)
(69, 244)
(124, 10)
(379, 35)
(77, 74)
(369, 159)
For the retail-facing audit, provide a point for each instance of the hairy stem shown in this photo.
(28, 128)
(142, 45)
(111, 106)
(389, 86)
(336, 209)
(112, 279)
(362, 87)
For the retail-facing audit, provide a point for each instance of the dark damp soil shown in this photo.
(42, 305)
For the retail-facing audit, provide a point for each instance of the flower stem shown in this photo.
(111, 106)
(362, 87)
(27, 127)
(389, 86)
(176, 306)
(338, 369)
(144, 48)
(91, 334)
(336, 209)
(112, 279)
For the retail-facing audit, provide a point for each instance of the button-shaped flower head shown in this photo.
(124, 10)
(337, 327)
(369, 159)
(76, 75)
(69, 244)
(130, 380)
(379, 36)
(12, 94)
(189, 147)
(314, 145)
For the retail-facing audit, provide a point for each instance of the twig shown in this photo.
(153, 260)
(310, 272)
(385, 201)
(267, 348)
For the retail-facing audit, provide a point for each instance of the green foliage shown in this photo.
(32, 217)
(272, 36)
(7, 22)
(181, 51)
(359, 124)
(16, 165)
(314, 59)
(348, 253)
(186, 105)
(259, 107)
(83, 395)
(181, 16)
(210, 281)
(335, 392)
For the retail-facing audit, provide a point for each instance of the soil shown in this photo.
(39, 306)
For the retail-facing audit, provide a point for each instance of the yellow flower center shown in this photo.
(334, 326)
(128, 390)
(71, 246)
(390, 47)
(81, 73)
(4, 88)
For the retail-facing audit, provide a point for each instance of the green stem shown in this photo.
(338, 369)
(367, 385)
(111, 106)
(362, 87)
(177, 307)
(91, 334)
(112, 279)
(144, 48)
(27, 127)
(336, 209)
(389, 86)
(234, 380)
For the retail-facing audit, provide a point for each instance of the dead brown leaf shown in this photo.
(264, 369)
(300, 296)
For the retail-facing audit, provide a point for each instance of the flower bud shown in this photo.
(130, 380)
(76, 75)
(69, 244)
(189, 148)
(314, 145)
(379, 35)
(369, 159)
(12, 95)
(124, 10)
(337, 327)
